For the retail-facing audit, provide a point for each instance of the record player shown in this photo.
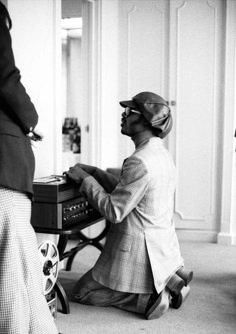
(59, 204)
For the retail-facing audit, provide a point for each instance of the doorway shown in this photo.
(74, 90)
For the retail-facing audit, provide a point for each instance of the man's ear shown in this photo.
(144, 121)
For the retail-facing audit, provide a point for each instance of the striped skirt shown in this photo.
(23, 307)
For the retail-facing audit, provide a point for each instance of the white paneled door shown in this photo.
(195, 84)
(175, 48)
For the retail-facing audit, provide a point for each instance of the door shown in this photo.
(75, 42)
(196, 29)
(143, 58)
(174, 48)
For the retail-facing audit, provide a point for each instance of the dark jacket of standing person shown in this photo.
(17, 118)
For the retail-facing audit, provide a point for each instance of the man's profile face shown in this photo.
(132, 122)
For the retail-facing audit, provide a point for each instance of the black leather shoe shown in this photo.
(158, 305)
(177, 300)
(175, 284)
(185, 274)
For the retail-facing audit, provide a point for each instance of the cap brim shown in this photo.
(131, 104)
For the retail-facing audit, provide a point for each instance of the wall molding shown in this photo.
(196, 235)
(227, 239)
(228, 207)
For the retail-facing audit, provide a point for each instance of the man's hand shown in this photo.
(77, 174)
(87, 168)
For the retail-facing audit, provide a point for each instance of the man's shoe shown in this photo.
(185, 274)
(177, 300)
(175, 284)
(159, 305)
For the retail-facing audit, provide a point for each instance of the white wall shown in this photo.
(110, 109)
(35, 44)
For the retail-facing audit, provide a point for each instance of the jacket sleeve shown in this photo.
(125, 197)
(107, 180)
(12, 93)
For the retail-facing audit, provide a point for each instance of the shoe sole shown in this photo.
(159, 307)
(177, 300)
(185, 274)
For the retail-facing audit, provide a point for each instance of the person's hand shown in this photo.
(38, 131)
(87, 168)
(77, 174)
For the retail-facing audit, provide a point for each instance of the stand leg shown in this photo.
(72, 253)
(84, 240)
(62, 297)
(62, 242)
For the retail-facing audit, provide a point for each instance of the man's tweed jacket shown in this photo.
(17, 116)
(142, 245)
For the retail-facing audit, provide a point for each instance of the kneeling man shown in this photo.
(140, 268)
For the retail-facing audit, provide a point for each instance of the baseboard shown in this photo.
(196, 235)
(228, 239)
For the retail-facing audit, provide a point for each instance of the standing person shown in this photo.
(23, 307)
(140, 268)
